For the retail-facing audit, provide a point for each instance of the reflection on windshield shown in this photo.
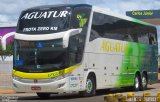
(44, 21)
(43, 55)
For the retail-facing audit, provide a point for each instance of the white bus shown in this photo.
(81, 48)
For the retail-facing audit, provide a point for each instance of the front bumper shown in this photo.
(65, 85)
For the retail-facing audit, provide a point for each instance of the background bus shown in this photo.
(81, 48)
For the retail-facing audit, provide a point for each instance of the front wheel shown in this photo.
(90, 87)
(43, 95)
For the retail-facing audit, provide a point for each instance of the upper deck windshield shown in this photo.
(45, 20)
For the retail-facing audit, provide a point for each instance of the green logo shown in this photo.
(82, 20)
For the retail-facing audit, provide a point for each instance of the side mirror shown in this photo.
(4, 39)
(67, 35)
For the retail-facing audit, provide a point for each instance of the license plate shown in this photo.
(35, 88)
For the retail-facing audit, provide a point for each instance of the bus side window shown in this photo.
(94, 34)
(116, 36)
(75, 49)
(143, 38)
(152, 39)
(107, 26)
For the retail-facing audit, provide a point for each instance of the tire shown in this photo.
(144, 82)
(43, 95)
(137, 82)
(90, 87)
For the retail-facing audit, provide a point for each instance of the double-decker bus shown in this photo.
(81, 48)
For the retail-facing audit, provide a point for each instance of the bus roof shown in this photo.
(60, 5)
(108, 12)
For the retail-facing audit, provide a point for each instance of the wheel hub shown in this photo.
(144, 81)
(89, 86)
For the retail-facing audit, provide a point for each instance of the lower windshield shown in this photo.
(39, 56)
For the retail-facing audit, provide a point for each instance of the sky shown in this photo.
(11, 9)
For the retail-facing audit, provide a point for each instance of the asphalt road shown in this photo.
(32, 97)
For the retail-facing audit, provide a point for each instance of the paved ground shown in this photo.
(31, 97)
(5, 74)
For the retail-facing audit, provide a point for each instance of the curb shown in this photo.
(7, 92)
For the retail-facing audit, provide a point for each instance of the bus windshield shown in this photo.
(39, 56)
(46, 20)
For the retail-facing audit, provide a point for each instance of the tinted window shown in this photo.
(39, 56)
(140, 32)
(80, 17)
(152, 36)
(106, 26)
(40, 21)
(109, 27)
